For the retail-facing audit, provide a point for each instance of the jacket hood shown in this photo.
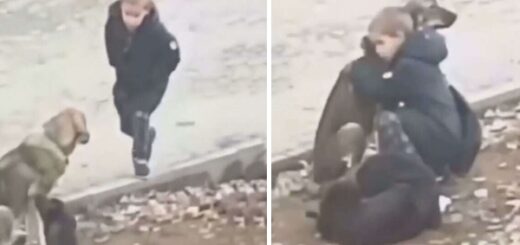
(426, 45)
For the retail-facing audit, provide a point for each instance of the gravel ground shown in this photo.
(230, 213)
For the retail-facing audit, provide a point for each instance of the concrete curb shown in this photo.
(246, 160)
(480, 102)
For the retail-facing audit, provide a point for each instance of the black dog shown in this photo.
(390, 197)
(59, 225)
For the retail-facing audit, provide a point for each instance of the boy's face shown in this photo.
(386, 46)
(134, 12)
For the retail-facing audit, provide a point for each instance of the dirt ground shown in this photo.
(471, 219)
(314, 39)
(291, 227)
(52, 55)
(191, 233)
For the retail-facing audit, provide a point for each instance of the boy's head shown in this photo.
(134, 12)
(388, 31)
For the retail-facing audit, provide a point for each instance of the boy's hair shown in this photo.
(390, 21)
(150, 4)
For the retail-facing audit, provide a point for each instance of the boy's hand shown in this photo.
(367, 69)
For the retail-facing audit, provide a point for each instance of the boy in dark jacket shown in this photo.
(144, 54)
(411, 84)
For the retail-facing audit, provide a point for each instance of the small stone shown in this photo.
(193, 212)
(513, 203)
(502, 165)
(472, 235)
(480, 179)
(144, 229)
(515, 237)
(456, 218)
(494, 227)
(512, 145)
(124, 200)
(497, 126)
(495, 221)
(100, 239)
(506, 114)
(489, 114)
(517, 167)
(481, 193)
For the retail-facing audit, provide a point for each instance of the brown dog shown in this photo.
(31, 169)
(344, 106)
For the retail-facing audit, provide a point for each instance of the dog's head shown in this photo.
(428, 13)
(67, 129)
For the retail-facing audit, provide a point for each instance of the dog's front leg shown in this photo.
(34, 225)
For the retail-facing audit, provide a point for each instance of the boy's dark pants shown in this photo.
(134, 109)
(434, 144)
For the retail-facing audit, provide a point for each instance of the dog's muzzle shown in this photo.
(83, 138)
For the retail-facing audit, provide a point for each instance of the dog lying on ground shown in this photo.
(345, 106)
(29, 171)
(390, 197)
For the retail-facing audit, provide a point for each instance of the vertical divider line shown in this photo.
(268, 119)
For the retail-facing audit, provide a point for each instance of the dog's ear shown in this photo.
(429, 14)
(80, 124)
(368, 47)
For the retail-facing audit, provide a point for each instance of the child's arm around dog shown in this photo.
(409, 72)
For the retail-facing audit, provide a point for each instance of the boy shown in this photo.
(411, 85)
(144, 54)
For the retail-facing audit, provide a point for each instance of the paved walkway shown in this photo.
(52, 55)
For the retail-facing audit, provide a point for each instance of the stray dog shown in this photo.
(390, 197)
(345, 106)
(59, 225)
(30, 170)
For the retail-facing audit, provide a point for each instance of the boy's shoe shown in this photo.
(141, 168)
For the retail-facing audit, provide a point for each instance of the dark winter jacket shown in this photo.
(144, 60)
(414, 80)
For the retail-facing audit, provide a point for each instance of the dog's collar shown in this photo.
(41, 140)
